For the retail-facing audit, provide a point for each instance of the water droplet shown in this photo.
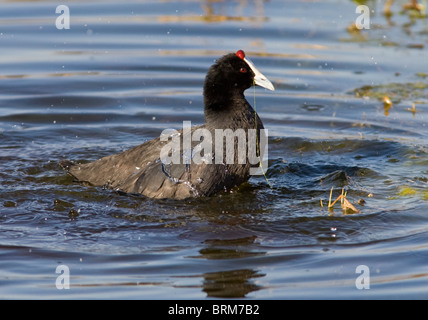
(176, 134)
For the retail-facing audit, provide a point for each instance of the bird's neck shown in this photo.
(221, 104)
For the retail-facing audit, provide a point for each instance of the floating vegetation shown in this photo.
(394, 93)
(408, 191)
(380, 29)
(413, 7)
(422, 75)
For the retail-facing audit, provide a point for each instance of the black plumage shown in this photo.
(141, 169)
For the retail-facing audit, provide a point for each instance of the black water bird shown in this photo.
(143, 169)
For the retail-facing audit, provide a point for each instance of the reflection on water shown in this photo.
(231, 284)
(215, 11)
(125, 72)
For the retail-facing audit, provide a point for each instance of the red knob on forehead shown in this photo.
(240, 54)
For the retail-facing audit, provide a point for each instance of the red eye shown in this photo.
(243, 70)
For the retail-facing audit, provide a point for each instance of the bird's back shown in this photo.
(141, 170)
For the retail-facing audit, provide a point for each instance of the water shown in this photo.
(125, 72)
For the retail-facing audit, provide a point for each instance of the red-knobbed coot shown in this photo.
(166, 167)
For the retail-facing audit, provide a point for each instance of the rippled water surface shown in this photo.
(125, 71)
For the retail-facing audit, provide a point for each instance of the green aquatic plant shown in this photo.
(408, 192)
(412, 7)
(395, 91)
(422, 75)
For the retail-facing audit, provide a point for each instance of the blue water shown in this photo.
(124, 72)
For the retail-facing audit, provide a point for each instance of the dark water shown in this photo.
(126, 71)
